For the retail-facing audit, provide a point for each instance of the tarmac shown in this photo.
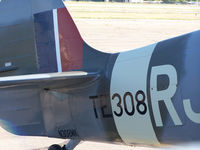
(121, 35)
(108, 36)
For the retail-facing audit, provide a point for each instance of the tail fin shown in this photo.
(38, 36)
(59, 44)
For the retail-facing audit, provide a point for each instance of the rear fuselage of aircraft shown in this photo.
(53, 84)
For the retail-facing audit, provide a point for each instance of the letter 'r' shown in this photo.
(163, 95)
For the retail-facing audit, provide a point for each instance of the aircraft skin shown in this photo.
(53, 84)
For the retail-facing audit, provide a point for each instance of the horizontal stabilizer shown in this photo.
(73, 79)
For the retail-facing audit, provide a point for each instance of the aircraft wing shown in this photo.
(72, 79)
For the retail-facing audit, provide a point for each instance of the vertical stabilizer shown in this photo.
(38, 36)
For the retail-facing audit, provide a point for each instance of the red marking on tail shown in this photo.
(71, 43)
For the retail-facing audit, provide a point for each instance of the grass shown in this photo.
(101, 10)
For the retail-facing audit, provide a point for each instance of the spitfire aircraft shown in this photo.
(53, 84)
